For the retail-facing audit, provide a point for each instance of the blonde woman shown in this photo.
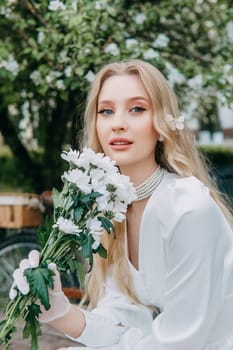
(167, 283)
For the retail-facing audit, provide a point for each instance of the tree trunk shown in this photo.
(26, 164)
(55, 135)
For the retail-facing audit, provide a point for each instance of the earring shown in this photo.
(161, 138)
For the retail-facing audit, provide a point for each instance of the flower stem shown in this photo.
(12, 314)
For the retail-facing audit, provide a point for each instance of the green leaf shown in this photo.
(86, 246)
(88, 197)
(107, 225)
(56, 198)
(67, 203)
(102, 251)
(111, 188)
(87, 250)
(32, 325)
(79, 268)
(78, 213)
(59, 197)
(44, 231)
(39, 280)
(80, 273)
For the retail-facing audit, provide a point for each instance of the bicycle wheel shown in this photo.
(12, 250)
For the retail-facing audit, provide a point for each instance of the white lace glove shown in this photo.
(59, 303)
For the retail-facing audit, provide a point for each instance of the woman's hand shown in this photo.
(59, 304)
(19, 279)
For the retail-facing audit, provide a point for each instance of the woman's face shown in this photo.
(124, 123)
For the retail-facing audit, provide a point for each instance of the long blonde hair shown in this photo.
(177, 153)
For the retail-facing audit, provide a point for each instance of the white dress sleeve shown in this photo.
(114, 315)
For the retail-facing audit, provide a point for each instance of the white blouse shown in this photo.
(185, 269)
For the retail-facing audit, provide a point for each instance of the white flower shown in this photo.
(103, 27)
(227, 68)
(71, 156)
(52, 102)
(56, 5)
(229, 31)
(161, 41)
(88, 156)
(195, 82)
(60, 84)
(74, 5)
(209, 24)
(175, 122)
(68, 71)
(94, 225)
(12, 110)
(40, 37)
(140, 18)
(124, 188)
(230, 79)
(119, 217)
(66, 226)
(78, 178)
(90, 76)
(150, 54)
(53, 75)
(96, 230)
(131, 43)
(112, 49)
(97, 239)
(49, 79)
(36, 77)
(98, 181)
(174, 75)
(102, 203)
(25, 108)
(86, 51)
(98, 5)
(212, 34)
(63, 54)
(10, 64)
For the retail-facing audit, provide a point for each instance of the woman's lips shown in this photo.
(120, 143)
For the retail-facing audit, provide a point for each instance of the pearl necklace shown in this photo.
(147, 187)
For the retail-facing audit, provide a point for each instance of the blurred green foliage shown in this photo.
(50, 51)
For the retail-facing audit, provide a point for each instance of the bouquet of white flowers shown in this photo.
(94, 194)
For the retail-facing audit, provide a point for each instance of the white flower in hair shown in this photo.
(176, 123)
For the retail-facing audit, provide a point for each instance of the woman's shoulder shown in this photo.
(179, 196)
(186, 191)
(188, 184)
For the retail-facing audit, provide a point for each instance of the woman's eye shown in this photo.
(137, 109)
(105, 111)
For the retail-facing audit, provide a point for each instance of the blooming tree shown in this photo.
(50, 51)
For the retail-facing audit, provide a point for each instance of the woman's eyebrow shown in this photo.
(134, 98)
(138, 98)
(105, 102)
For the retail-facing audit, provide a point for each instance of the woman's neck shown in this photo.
(138, 175)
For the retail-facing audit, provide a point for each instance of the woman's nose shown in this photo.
(119, 122)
